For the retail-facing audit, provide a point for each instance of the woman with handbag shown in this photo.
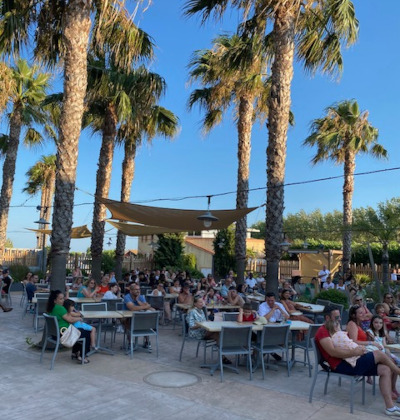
(55, 308)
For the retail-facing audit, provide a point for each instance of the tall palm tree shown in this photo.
(29, 90)
(62, 30)
(339, 136)
(151, 121)
(42, 177)
(315, 30)
(232, 71)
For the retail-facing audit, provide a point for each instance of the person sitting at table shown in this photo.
(197, 315)
(202, 285)
(77, 272)
(88, 290)
(175, 288)
(134, 301)
(225, 287)
(113, 292)
(368, 364)
(77, 284)
(233, 297)
(242, 290)
(287, 286)
(328, 284)
(247, 314)
(292, 307)
(389, 324)
(160, 291)
(262, 288)
(55, 307)
(390, 306)
(273, 311)
(31, 287)
(185, 297)
(365, 323)
(340, 286)
(103, 288)
(69, 305)
(211, 281)
(27, 278)
(251, 282)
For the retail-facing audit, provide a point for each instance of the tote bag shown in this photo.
(69, 336)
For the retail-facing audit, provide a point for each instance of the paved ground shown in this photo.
(115, 387)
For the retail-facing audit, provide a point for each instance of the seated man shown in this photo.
(271, 310)
(185, 297)
(134, 301)
(225, 287)
(234, 298)
(31, 287)
(251, 282)
(368, 364)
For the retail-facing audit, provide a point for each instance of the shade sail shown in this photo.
(140, 230)
(183, 220)
(78, 232)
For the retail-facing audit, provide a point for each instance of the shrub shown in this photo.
(363, 279)
(334, 296)
(18, 271)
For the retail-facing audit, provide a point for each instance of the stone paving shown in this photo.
(115, 387)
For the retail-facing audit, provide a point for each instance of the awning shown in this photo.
(140, 230)
(179, 220)
(78, 232)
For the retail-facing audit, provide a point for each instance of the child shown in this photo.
(69, 305)
(246, 314)
(376, 332)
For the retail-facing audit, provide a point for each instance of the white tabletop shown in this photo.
(258, 298)
(220, 307)
(101, 314)
(216, 326)
(310, 307)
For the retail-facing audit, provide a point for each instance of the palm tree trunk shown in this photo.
(385, 264)
(244, 127)
(348, 188)
(103, 180)
(76, 27)
(128, 172)
(9, 173)
(278, 120)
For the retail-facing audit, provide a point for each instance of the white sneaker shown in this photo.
(395, 411)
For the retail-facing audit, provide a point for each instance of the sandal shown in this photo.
(85, 362)
(74, 355)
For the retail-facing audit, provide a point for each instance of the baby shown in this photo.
(69, 305)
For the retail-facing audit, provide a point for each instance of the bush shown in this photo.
(18, 271)
(334, 296)
(363, 279)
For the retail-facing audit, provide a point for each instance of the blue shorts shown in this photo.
(365, 366)
(83, 326)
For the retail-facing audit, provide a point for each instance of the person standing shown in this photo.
(323, 275)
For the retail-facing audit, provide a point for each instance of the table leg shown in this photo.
(98, 342)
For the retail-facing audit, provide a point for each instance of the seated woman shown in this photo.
(202, 285)
(197, 315)
(390, 305)
(176, 288)
(55, 308)
(103, 288)
(293, 307)
(89, 289)
(160, 291)
(358, 300)
(77, 283)
(380, 309)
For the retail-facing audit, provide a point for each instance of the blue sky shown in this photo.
(193, 165)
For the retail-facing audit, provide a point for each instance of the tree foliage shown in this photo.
(224, 248)
(170, 250)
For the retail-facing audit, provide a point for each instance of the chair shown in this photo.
(143, 324)
(73, 293)
(305, 345)
(24, 296)
(338, 307)
(52, 335)
(101, 306)
(112, 303)
(7, 296)
(185, 337)
(323, 302)
(42, 295)
(230, 316)
(235, 341)
(326, 370)
(156, 302)
(144, 289)
(274, 339)
(254, 305)
(40, 309)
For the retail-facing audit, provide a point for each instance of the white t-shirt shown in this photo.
(324, 274)
(110, 295)
(328, 286)
(251, 282)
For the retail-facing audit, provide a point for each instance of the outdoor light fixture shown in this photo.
(109, 243)
(207, 217)
(285, 244)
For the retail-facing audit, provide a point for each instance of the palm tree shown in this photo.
(42, 177)
(339, 136)
(62, 30)
(232, 73)
(315, 30)
(29, 90)
(148, 121)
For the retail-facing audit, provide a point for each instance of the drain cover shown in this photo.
(171, 379)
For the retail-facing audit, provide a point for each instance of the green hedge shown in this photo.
(334, 296)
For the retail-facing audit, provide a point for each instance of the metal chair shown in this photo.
(305, 345)
(52, 335)
(185, 337)
(234, 341)
(143, 324)
(156, 302)
(7, 296)
(40, 309)
(230, 316)
(73, 293)
(254, 305)
(101, 306)
(112, 303)
(274, 339)
(323, 302)
(326, 370)
(24, 296)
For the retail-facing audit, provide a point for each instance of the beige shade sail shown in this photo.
(78, 232)
(140, 230)
(181, 220)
